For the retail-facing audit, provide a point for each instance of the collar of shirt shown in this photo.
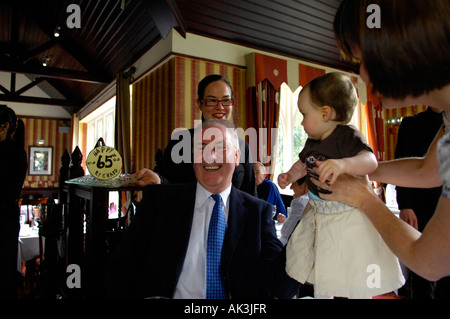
(203, 197)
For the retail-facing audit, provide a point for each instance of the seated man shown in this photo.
(269, 192)
(166, 250)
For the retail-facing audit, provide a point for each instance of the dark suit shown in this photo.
(176, 173)
(415, 135)
(149, 259)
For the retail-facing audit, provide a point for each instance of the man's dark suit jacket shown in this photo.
(415, 135)
(179, 173)
(149, 259)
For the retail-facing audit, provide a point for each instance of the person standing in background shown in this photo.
(417, 205)
(13, 167)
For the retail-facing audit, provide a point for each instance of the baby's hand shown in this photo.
(330, 170)
(284, 180)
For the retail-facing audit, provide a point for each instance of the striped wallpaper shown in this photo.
(152, 115)
(166, 98)
(47, 130)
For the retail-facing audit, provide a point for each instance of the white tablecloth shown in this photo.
(28, 247)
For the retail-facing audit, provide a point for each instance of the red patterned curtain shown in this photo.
(268, 111)
(308, 73)
(375, 125)
(375, 132)
(265, 76)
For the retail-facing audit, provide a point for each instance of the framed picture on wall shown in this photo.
(41, 160)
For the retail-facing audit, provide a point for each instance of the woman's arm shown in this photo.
(428, 254)
(411, 172)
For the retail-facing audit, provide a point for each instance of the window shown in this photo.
(291, 135)
(101, 123)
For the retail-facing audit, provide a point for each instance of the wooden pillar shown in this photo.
(75, 214)
(63, 176)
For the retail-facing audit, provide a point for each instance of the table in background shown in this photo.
(28, 247)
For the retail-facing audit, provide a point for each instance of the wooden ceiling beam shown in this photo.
(62, 74)
(66, 42)
(165, 15)
(4, 90)
(182, 27)
(39, 100)
(24, 57)
(29, 86)
(14, 95)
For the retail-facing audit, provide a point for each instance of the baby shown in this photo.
(334, 247)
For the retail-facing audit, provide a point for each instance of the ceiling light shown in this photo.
(56, 33)
(46, 61)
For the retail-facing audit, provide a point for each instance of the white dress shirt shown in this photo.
(192, 281)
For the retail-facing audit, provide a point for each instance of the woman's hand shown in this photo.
(409, 217)
(146, 177)
(352, 190)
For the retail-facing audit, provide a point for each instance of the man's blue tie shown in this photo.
(214, 281)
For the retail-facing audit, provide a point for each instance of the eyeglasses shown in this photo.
(215, 102)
